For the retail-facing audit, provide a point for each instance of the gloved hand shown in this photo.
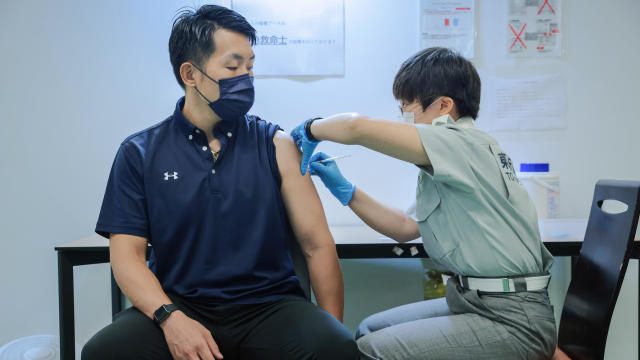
(332, 178)
(307, 146)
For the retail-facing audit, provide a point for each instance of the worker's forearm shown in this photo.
(383, 219)
(140, 286)
(326, 280)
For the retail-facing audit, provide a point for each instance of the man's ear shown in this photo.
(187, 73)
(446, 105)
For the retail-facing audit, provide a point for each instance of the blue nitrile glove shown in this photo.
(332, 178)
(307, 146)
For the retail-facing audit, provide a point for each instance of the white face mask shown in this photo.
(407, 117)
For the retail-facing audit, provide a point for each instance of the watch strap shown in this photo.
(307, 129)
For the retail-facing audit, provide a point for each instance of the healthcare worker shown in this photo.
(475, 218)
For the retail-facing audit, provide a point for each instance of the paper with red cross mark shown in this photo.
(533, 28)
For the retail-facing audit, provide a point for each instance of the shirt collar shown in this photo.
(183, 124)
(187, 128)
(465, 122)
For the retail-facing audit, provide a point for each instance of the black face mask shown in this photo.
(236, 96)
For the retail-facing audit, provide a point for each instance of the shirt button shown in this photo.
(204, 148)
(213, 171)
(229, 134)
(190, 137)
(197, 131)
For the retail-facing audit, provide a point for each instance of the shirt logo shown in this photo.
(174, 176)
(507, 167)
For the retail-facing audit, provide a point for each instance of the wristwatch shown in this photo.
(163, 313)
(307, 129)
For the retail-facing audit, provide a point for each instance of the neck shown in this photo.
(198, 112)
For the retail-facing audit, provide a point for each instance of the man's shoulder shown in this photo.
(283, 142)
(135, 146)
(143, 136)
(260, 124)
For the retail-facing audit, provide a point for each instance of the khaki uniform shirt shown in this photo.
(475, 216)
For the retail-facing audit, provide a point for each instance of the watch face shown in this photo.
(161, 314)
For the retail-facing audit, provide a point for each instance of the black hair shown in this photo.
(436, 72)
(192, 34)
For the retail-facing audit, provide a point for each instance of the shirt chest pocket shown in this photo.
(435, 236)
(427, 197)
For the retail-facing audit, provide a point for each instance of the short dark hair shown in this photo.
(436, 72)
(192, 34)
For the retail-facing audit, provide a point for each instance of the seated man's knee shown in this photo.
(363, 329)
(368, 325)
(335, 344)
(102, 346)
(94, 349)
(374, 346)
(364, 347)
(126, 339)
(346, 349)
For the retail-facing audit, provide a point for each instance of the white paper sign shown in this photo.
(526, 104)
(296, 37)
(448, 23)
(533, 28)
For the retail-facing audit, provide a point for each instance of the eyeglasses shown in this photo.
(403, 106)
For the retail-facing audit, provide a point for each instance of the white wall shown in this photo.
(79, 76)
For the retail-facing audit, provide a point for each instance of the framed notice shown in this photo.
(296, 37)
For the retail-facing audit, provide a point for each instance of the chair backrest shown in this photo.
(300, 265)
(599, 271)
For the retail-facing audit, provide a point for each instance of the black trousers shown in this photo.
(289, 328)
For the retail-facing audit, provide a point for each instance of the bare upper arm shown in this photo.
(125, 247)
(300, 197)
(399, 140)
(411, 230)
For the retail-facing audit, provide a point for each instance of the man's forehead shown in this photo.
(231, 45)
(239, 57)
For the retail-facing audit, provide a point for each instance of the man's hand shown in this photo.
(188, 339)
(299, 135)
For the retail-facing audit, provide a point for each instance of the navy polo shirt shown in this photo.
(218, 229)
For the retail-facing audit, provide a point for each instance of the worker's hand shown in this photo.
(332, 178)
(188, 339)
(307, 146)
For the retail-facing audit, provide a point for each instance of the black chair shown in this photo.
(599, 271)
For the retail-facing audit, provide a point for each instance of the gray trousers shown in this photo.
(465, 325)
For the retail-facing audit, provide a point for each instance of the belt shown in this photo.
(502, 285)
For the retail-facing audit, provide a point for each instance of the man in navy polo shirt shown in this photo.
(218, 194)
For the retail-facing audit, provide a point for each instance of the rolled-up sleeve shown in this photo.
(124, 209)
